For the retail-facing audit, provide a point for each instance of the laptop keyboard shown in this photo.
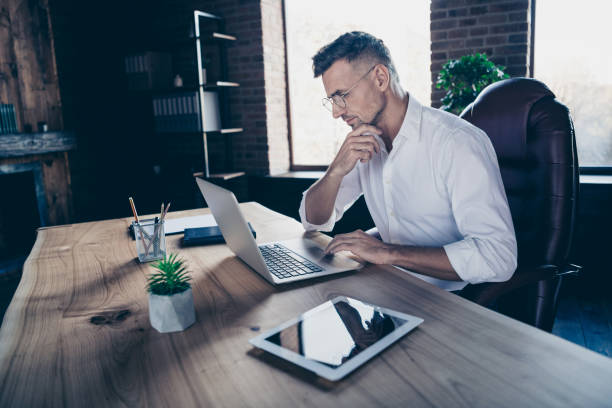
(284, 263)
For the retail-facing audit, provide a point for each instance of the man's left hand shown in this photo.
(362, 245)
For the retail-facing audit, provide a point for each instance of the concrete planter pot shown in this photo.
(171, 313)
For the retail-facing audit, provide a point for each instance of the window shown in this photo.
(572, 56)
(403, 26)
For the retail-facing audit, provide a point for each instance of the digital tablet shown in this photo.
(335, 338)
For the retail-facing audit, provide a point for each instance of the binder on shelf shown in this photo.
(13, 118)
(3, 128)
(180, 112)
(148, 70)
(8, 120)
(177, 113)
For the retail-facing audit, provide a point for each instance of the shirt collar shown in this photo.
(411, 126)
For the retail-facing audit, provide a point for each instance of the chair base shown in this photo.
(534, 304)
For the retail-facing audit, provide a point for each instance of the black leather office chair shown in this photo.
(533, 136)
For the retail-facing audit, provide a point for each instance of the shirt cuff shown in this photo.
(465, 259)
(327, 226)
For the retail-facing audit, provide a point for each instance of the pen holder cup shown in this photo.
(150, 240)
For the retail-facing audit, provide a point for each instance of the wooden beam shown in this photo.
(28, 72)
(23, 144)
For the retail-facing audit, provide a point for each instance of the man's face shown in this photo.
(363, 102)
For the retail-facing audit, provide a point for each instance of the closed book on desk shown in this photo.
(206, 236)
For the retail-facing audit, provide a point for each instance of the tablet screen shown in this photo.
(336, 332)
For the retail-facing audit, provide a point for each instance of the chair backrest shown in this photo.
(533, 136)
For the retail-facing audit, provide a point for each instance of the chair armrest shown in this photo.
(569, 269)
(485, 293)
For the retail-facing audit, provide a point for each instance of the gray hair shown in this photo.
(354, 46)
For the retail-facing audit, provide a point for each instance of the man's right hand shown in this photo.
(360, 144)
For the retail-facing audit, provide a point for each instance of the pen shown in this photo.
(156, 237)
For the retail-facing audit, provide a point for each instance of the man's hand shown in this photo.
(362, 245)
(429, 261)
(358, 145)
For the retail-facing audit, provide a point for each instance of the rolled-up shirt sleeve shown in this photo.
(488, 251)
(348, 193)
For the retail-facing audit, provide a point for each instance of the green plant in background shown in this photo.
(170, 278)
(463, 79)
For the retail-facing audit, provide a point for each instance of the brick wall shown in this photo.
(257, 62)
(498, 28)
(243, 19)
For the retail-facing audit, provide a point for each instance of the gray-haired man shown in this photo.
(430, 179)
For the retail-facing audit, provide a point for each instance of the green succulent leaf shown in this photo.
(171, 276)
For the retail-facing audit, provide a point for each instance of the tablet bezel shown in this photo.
(329, 373)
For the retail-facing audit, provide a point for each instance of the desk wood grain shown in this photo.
(77, 334)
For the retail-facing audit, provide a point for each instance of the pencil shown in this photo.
(137, 222)
(133, 209)
(166, 211)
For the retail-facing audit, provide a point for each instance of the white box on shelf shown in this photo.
(212, 115)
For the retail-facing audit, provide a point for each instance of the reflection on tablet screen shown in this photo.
(336, 333)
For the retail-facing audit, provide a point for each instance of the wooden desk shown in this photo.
(462, 355)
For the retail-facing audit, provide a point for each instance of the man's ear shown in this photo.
(382, 77)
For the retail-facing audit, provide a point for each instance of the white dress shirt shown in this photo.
(439, 187)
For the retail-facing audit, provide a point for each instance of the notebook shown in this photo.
(206, 236)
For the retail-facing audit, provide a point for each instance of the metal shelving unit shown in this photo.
(220, 84)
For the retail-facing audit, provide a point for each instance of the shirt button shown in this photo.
(392, 214)
(387, 181)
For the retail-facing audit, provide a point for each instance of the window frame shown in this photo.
(292, 165)
(586, 170)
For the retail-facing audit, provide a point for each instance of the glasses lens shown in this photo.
(334, 100)
(328, 104)
(339, 101)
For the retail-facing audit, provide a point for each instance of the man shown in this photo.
(430, 179)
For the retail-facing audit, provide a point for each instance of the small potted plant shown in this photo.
(463, 79)
(170, 297)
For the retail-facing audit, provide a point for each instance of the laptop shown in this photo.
(278, 262)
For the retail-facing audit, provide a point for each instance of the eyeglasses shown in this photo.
(338, 99)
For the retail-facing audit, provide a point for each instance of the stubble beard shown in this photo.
(373, 122)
